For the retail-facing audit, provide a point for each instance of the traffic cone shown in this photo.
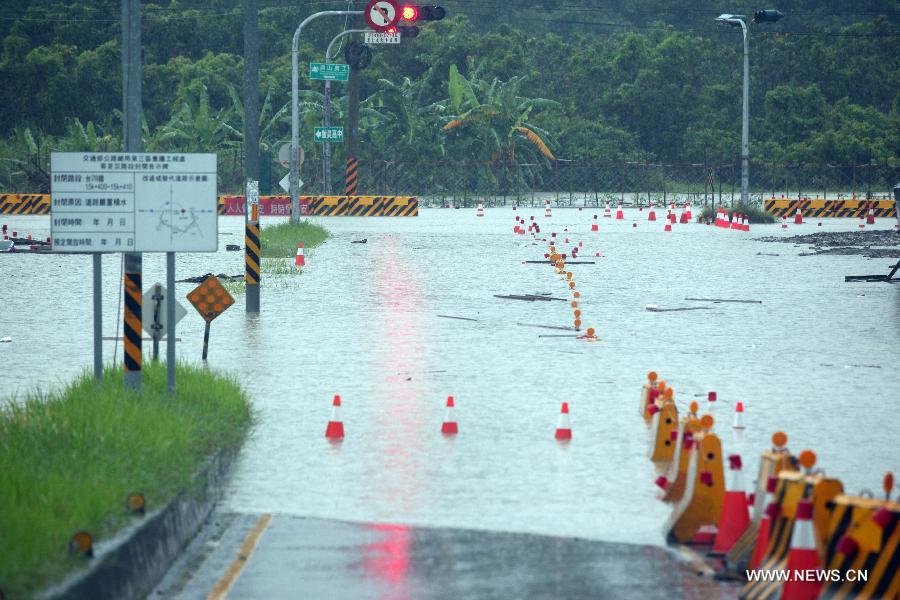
(619, 214)
(736, 221)
(802, 556)
(745, 224)
(719, 217)
(738, 425)
(547, 212)
(606, 211)
(711, 399)
(449, 427)
(335, 429)
(798, 217)
(735, 516)
(690, 215)
(862, 222)
(651, 216)
(479, 212)
(765, 523)
(300, 260)
(870, 218)
(668, 226)
(564, 427)
(684, 216)
(595, 226)
(784, 222)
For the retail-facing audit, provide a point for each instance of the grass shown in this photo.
(68, 460)
(280, 241)
(273, 271)
(755, 214)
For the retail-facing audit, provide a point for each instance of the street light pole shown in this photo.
(761, 16)
(295, 100)
(745, 125)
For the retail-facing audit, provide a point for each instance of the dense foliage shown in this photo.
(535, 81)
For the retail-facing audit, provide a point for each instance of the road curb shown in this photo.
(136, 560)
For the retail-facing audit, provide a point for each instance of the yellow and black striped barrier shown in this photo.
(24, 204)
(363, 206)
(351, 176)
(818, 208)
(863, 536)
(251, 257)
(132, 322)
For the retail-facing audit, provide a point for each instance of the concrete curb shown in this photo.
(136, 560)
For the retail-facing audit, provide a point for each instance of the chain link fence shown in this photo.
(592, 183)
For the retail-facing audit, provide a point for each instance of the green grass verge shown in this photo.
(280, 241)
(69, 459)
(755, 214)
(273, 270)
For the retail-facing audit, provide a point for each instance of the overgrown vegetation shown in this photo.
(69, 459)
(517, 84)
(280, 241)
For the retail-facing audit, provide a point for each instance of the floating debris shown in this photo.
(5, 340)
(460, 318)
(362, 241)
(232, 247)
(655, 308)
(528, 297)
(724, 300)
(546, 326)
(202, 278)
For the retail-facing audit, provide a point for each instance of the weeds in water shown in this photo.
(280, 241)
(68, 460)
(273, 272)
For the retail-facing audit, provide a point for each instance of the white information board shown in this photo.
(133, 202)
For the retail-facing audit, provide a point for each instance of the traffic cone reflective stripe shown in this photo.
(735, 516)
(300, 260)
(449, 427)
(803, 556)
(564, 428)
(335, 429)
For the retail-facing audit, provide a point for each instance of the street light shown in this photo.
(761, 16)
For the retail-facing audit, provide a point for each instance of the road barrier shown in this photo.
(818, 208)
(24, 204)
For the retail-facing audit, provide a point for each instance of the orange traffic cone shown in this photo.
(564, 427)
(668, 226)
(802, 557)
(479, 212)
(619, 213)
(870, 218)
(547, 212)
(607, 214)
(690, 215)
(300, 260)
(594, 225)
(735, 515)
(784, 222)
(335, 429)
(798, 217)
(765, 523)
(449, 427)
(652, 214)
(711, 399)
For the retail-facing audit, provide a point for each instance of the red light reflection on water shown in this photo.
(388, 559)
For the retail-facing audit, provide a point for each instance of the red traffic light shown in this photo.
(409, 13)
(418, 12)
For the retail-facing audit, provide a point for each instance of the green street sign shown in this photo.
(329, 134)
(329, 71)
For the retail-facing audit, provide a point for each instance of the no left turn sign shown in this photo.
(381, 15)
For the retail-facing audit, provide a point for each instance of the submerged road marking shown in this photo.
(223, 586)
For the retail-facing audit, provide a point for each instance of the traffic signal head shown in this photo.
(767, 16)
(417, 12)
(408, 31)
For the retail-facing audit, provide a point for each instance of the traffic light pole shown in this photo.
(295, 101)
(326, 150)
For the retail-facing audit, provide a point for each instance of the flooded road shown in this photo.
(818, 358)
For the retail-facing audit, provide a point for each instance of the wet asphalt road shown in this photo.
(299, 557)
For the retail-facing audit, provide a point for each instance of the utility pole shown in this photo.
(351, 172)
(131, 104)
(252, 274)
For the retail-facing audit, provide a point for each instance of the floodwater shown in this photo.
(818, 358)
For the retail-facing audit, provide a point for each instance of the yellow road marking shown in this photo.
(223, 586)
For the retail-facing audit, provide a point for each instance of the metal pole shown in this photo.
(295, 100)
(745, 128)
(131, 100)
(251, 126)
(98, 314)
(206, 340)
(326, 149)
(170, 322)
